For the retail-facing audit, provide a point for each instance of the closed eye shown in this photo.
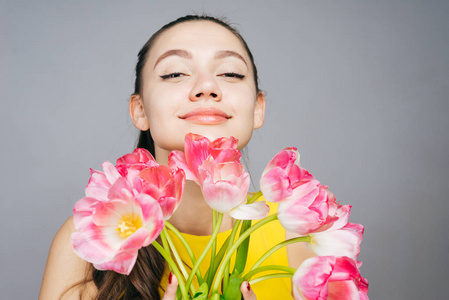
(172, 75)
(233, 75)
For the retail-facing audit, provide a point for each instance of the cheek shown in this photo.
(159, 104)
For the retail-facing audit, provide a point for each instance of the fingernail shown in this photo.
(170, 278)
(248, 287)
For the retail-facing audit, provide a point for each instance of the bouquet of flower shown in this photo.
(127, 207)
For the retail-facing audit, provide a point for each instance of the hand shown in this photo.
(247, 291)
(172, 286)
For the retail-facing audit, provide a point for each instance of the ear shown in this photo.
(137, 113)
(259, 110)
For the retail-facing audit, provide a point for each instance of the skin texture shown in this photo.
(209, 71)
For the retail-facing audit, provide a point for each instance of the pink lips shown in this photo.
(206, 116)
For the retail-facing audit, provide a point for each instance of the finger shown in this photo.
(172, 286)
(247, 291)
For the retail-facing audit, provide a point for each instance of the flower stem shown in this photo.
(218, 259)
(271, 276)
(214, 246)
(231, 241)
(255, 197)
(187, 247)
(178, 259)
(228, 256)
(164, 241)
(208, 246)
(268, 268)
(173, 268)
(279, 246)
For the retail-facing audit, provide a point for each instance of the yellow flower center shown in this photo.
(128, 225)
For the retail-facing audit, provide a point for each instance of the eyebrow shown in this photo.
(229, 53)
(184, 54)
(174, 52)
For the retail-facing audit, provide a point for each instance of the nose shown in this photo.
(205, 88)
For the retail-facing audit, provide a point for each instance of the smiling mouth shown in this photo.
(206, 116)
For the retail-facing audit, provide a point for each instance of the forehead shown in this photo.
(197, 37)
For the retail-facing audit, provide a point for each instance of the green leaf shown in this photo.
(217, 262)
(203, 289)
(232, 291)
(217, 297)
(202, 292)
(242, 250)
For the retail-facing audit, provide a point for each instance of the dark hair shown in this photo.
(145, 140)
(144, 280)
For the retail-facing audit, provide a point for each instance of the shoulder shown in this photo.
(64, 269)
(297, 252)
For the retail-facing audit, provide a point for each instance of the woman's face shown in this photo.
(198, 78)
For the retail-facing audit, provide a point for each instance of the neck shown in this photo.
(194, 216)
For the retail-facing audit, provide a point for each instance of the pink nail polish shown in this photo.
(170, 278)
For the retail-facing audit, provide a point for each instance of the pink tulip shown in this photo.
(306, 210)
(216, 167)
(312, 208)
(224, 184)
(198, 148)
(124, 210)
(112, 231)
(165, 185)
(282, 175)
(329, 277)
(130, 165)
(139, 158)
(342, 242)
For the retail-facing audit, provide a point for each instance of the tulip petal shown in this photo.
(196, 150)
(299, 219)
(138, 156)
(253, 211)
(82, 212)
(177, 159)
(110, 172)
(305, 194)
(122, 263)
(284, 159)
(341, 217)
(121, 189)
(275, 185)
(92, 246)
(98, 185)
(224, 185)
(343, 242)
(311, 278)
(222, 196)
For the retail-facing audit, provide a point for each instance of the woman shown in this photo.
(195, 74)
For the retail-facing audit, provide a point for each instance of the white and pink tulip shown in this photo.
(329, 277)
(112, 231)
(341, 242)
(198, 148)
(216, 167)
(282, 175)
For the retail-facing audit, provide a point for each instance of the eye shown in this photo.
(173, 75)
(232, 75)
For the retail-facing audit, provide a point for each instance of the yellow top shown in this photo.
(261, 240)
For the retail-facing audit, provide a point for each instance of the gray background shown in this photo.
(360, 87)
